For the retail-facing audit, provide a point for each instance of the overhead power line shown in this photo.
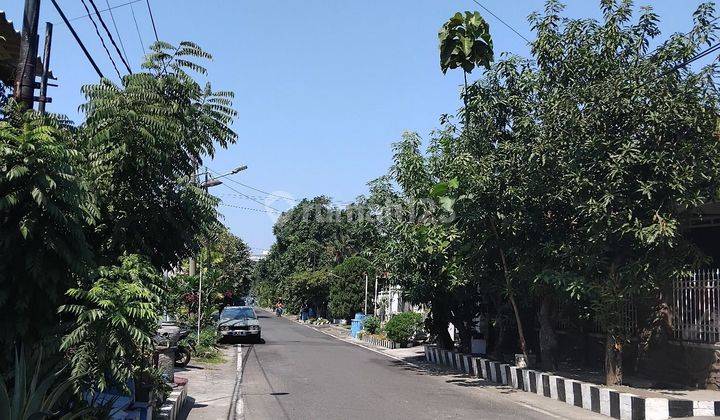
(117, 32)
(252, 199)
(112, 41)
(137, 28)
(502, 21)
(245, 208)
(685, 63)
(336, 202)
(152, 19)
(77, 38)
(264, 192)
(103, 10)
(245, 195)
(102, 40)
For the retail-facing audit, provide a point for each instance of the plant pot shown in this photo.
(143, 392)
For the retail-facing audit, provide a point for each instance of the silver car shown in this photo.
(239, 321)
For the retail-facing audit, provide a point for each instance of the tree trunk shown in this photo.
(613, 360)
(501, 328)
(439, 327)
(614, 341)
(465, 332)
(516, 310)
(511, 295)
(465, 101)
(548, 339)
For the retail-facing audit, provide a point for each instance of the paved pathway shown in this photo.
(301, 373)
(210, 387)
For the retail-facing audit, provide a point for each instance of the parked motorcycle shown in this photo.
(185, 348)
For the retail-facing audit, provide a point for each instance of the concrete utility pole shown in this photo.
(366, 290)
(24, 89)
(375, 305)
(192, 269)
(43, 99)
(205, 187)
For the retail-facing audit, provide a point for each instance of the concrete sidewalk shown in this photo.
(210, 387)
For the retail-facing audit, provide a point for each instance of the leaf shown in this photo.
(447, 203)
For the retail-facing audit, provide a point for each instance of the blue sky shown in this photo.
(323, 87)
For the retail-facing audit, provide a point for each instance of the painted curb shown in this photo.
(388, 344)
(173, 404)
(591, 397)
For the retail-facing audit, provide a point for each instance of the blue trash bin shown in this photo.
(357, 324)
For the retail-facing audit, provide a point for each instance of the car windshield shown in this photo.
(237, 313)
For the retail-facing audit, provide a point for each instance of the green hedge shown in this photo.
(371, 324)
(401, 327)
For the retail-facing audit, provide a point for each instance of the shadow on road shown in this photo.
(458, 379)
(189, 404)
(240, 340)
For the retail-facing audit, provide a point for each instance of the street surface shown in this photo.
(300, 373)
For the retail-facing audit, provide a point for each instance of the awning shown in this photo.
(10, 51)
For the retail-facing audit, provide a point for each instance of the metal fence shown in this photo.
(696, 306)
(628, 318)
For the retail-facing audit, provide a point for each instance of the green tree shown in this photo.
(311, 287)
(347, 286)
(423, 250)
(229, 256)
(596, 149)
(643, 151)
(44, 204)
(144, 139)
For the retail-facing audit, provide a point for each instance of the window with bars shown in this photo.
(696, 306)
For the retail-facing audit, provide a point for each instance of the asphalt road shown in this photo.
(300, 373)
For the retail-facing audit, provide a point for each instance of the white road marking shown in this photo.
(239, 406)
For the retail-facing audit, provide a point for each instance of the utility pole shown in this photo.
(375, 300)
(366, 291)
(24, 88)
(43, 99)
(205, 187)
(192, 263)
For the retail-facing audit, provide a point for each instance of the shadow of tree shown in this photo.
(420, 367)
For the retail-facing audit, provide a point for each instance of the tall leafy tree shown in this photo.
(634, 137)
(44, 204)
(347, 286)
(144, 139)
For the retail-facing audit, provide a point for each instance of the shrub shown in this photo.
(401, 327)
(371, 324)
(207, 347)
(115, 321)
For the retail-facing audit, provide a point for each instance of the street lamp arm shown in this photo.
(233, 172)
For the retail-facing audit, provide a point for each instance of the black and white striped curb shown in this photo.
(388, 344)
(172, 406)
(619, 405)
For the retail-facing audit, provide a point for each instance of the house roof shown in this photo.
(10, 51)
